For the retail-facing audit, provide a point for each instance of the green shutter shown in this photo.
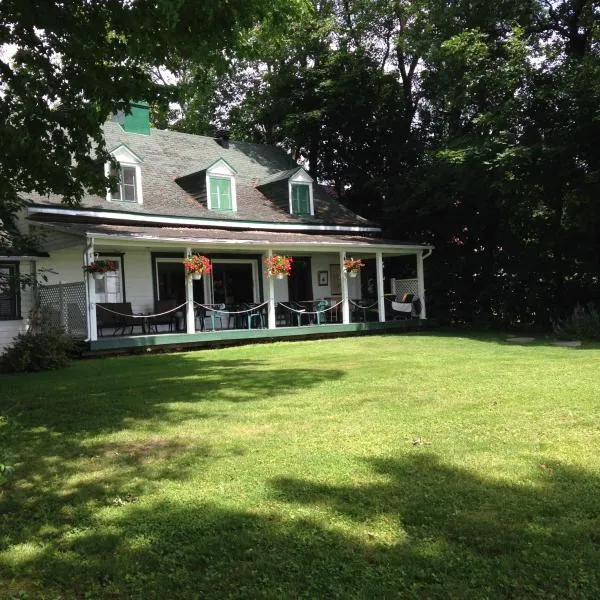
(220, 193)
(300, 199)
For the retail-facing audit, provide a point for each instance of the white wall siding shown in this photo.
(66, 265)
(323, 262)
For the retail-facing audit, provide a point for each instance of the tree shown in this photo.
(66, 66)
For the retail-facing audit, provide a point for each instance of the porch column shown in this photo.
(91, 294)
(344, 286)
(380, 288)
(271, 322)
(421, 284)
(189, 298)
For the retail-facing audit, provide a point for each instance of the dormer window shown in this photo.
(301, 193)
(125, 188)
(128, 176)
(300, 199)
(220, 186)
(220, 193)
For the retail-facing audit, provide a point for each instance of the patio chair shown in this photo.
(256, 316)
(202, 314)
(116, 316)
(168, 319)
(407, 308)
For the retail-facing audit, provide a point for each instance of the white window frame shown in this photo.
(301, 178)
(126, 158)
(108, 275)
(222, 170)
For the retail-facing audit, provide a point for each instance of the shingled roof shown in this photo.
(169, 156)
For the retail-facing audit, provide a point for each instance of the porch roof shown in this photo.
(106, 234)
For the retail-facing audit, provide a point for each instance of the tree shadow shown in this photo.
(111, 393)
(451, 534)
(500, 337)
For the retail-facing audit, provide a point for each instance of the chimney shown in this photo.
(223, 138)
(138, 121)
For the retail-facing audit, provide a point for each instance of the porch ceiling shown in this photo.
(180, 237)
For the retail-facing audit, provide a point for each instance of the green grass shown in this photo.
(424, 466)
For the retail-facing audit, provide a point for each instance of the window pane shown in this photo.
(115, 192)
(220, 193)
(128, 175)
(300, 199)
(109, 289)
(225, 194)
(8, 292)
(129, 193)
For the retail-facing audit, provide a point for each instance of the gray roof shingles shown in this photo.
(168, 155)
(225, 236)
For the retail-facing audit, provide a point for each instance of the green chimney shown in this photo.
(139, 119)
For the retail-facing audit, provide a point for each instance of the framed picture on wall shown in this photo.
(336, 286)
(323, 277)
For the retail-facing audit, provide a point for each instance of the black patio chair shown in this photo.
(168, 307)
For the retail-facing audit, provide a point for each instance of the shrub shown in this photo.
(46, 349)
(584, 323)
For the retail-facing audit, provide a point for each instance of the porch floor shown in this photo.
(223, 336)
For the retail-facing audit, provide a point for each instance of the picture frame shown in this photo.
(323, 277)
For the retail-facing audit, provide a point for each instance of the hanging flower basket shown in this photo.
(196, 265)
(352, 266)
(99, 268)
(278, 266)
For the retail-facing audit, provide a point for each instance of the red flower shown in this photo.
(278, 265)
(197, 264)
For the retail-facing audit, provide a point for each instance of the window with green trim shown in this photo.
(220, 193)
(300, 199)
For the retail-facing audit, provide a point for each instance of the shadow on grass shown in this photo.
(541, 339)
(450, 534)
(101, 396)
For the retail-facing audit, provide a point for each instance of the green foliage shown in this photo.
(46, 349)
(76, 63)
(470, 125)
(583, 324)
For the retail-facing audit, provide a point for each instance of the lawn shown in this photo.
(423, 466)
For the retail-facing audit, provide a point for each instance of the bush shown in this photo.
(46, 349)
(584, 323)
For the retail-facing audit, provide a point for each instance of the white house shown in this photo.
(236, 203)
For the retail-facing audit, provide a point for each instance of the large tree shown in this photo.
(66, 66)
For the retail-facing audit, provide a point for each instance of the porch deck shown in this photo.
(234, 336)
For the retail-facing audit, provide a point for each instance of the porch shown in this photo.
(148, 300)
(233, 336)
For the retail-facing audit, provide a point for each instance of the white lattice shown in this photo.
(405, 286)
(64, 305)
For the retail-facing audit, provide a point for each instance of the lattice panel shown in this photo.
(64, 305)
(405, 286)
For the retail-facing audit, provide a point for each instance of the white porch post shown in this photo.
(190, 317)
(380, 288)
(421, 284)
(91, 294)
(344, 286)
(271, 322)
